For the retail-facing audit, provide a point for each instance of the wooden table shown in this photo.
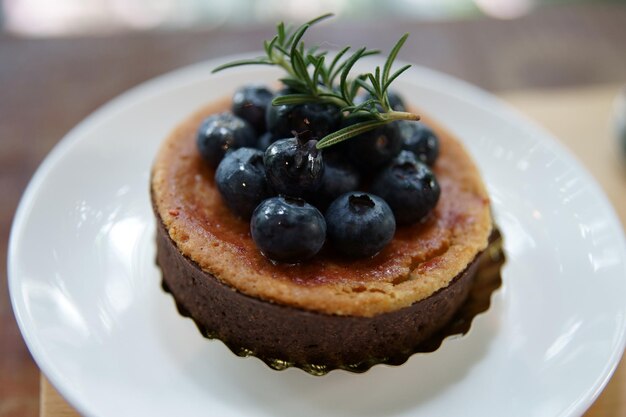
(47, 86)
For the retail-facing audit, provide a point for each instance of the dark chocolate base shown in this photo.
(284, 336)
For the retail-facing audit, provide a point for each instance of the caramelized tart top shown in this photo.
(420, 260)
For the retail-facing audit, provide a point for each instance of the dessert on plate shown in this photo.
(318, 225)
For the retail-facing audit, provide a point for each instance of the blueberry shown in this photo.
(250, 103)
(406, 157)
(313, 120)
(339, 177)
(264, 141)
(288, 229)
(374, 148)
(419, 139)
(294, 168)
(240, 179)
(221, 132)
(360, 224)
(409, 187)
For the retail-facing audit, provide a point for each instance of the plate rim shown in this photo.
(173, 80)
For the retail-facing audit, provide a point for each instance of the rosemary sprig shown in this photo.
(312, 77)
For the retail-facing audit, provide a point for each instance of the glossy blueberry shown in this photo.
(294, 168)
(409, 187)
(339, 177)
(419, 139)
(288, 229)
(406, 157)
(240, 179)
(360, 224)
(374, 148)
(311, 120)
(220, 133)
(250, 102)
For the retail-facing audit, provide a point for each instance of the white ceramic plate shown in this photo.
(87, 294)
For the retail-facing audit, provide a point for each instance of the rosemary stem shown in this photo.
(310, 79)
(280, 61)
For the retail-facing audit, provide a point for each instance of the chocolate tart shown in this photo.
(329, 312)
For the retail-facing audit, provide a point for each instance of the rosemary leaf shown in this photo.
(294, 41)
(362, 106)
(331, 96)
(294, 99)
(363, 84)
(393, 77)
(346, 71)
(280, 28)
(294, 84)
(270, 46)
(392, 57)
(281, 49)
(348, 132)
(257, 61)
(375, 86)
(371, 52)
(331, 69)
(354, 87)
(319, 68)
(320, 18)
(302, 71)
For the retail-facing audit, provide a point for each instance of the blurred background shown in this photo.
(560, 62)
(42, 18)
(536, 42)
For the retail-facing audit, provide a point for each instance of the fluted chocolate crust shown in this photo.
(284, 336)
